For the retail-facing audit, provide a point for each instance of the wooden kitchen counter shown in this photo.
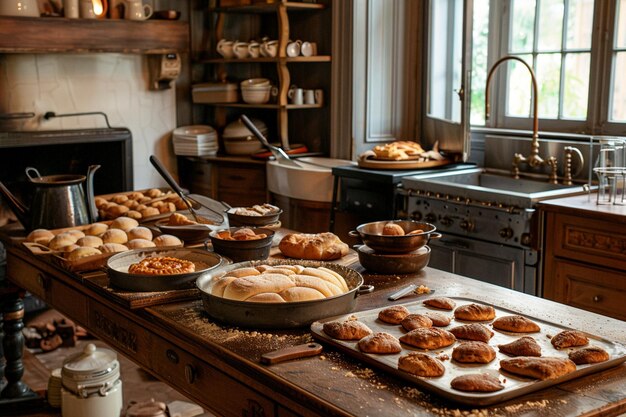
(218, 366)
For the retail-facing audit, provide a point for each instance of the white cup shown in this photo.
(293, 48)
(225, 48)
(70, 9)
(254, 49)
(269, 48)
(308, 49)
(135, 10)
(240, 49)
(296, 95)
(309, 96)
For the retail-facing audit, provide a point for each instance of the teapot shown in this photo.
(58, 200)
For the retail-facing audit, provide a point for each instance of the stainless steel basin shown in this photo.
(480, 184)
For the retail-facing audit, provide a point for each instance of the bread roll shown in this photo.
(392, 229)
(220, 283)
(116, 211)
(296, 294)
(246, 287)
(323, 287)
(135, 195)
(82, 252)
(243, 272)
(139, 232)
(326, 276)
(167, 208)
(131, 204)
(167, 240)
(76, 233)
(153, 193)
(119, 198)
(266, 297)
(41, 236)
(99, 201)
(321, 246)
(96, 229)
(61, 240)
(112, 248)
(91, 241)
(115, 236)
(134, 214)
(149, 211)
(70, 248)
(140, 244)
(124, 223)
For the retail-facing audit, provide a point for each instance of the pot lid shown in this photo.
(90, 360)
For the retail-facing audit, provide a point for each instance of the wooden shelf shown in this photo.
(61, 35)
(297, 59)
(269, 7)
(265, 106)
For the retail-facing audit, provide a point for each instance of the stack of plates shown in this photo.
(54, 388)
(198, 140)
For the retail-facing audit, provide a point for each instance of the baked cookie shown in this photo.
(393, 314)
(477, 383)
(569, 338)
(421, 364)
(438, 319)
(473, 352)
(428, 338)
(380, 343)
(443, 303)
(346, 330)
(591, 354)
(472, 331)
(475, 312)
(515, 324)
(415, 321)
(539, 368)
(524, 346)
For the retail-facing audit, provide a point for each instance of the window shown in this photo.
(562, 41)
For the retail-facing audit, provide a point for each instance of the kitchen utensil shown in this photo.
(58, 201)
(371, 234)
(235, 219)
(406, 291)
(393, 263)
(278, 153)
(117, 269)
(168, 178)
(292, 352)
(280, 315)
(243, 250)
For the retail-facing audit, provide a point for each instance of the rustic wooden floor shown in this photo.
(138, 385)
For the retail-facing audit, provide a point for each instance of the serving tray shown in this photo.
(514, 386)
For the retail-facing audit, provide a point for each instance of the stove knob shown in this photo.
(467, 225)
(446, 221)
(430, 217)
(506, 233)
(417, 215)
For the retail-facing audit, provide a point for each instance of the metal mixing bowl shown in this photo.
(243, 250)
(372, 235)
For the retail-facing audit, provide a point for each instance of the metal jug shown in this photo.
(58, 200)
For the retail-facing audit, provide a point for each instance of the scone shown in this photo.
(475, 312)
(124, 223)
(443, 303)
(421, 364)
(346, 330)
(472, 331)
(591, 354)
(381, 343)
(41, 236)
(569, 338)
(393, 314)
(524, 346)
(428, 338)
(416, 321)
(539, 368)
(115, 236)
(515, 324)
(477, 383)
(473, 352)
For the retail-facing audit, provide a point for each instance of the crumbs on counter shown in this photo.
(422, 289)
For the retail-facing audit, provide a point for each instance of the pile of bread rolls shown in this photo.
(279, 284)
(139, 205)
(121, 235)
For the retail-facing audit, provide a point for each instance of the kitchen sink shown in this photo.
(495, 187)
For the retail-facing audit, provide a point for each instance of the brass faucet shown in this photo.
(533, 160)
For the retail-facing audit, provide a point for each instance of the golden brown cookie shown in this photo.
(569, 338)
(346, 330)
(428, 338)
(415, 321)
(472, 331)
(443, 303)
(524, 346)
(477, 383)
(515, 324)
(591, 354)
(421, 364)
(475, 312)
(393, 314)
(380, 343)
(473, 352)
(438, 319)
(539, 368)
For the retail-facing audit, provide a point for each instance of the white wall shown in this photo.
(116, 84)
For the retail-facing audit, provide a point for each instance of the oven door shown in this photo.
(507, 266)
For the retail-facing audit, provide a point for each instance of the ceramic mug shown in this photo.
(70, 9)
(225, 48)
(308, 49)
(293, 48)
(296, 95)
(269, 48)
(319, 97)
(86, 9)
(254, 49)
(135, 10)
(240, 49)
(309, 96)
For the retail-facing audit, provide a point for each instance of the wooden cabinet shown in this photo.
(585, 255)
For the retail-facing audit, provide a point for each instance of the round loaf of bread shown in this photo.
(167, 240)
(281, 283)
(41, 236)
(82, 252)
(96, 229)
(140, 243)
(91, 241)
(61, 240)
(115, 236)
(124, 223)
(113, 248)
(139, 232)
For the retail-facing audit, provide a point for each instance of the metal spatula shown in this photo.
(280, 155)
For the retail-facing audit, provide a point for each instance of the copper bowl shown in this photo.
(243, 250)
(243, 220)
(393, 263)
(372, 235)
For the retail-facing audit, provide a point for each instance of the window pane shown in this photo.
(519, 88)
(549, 78)
(618, 103)
(480, 37)
(522, 33)
(550, 25)
(576, 86)
(620, 24)
(579, 24)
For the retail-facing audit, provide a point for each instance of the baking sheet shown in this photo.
(514, 386)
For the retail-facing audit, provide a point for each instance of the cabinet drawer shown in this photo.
(595, 289)
(208, 385)
(242, 179)
(28, 277)
(588, 240)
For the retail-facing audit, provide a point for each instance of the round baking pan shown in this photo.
(117, 269)
(241, 220)
(393, 263)
(280, 315)
(243, 250)
(372, 235)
